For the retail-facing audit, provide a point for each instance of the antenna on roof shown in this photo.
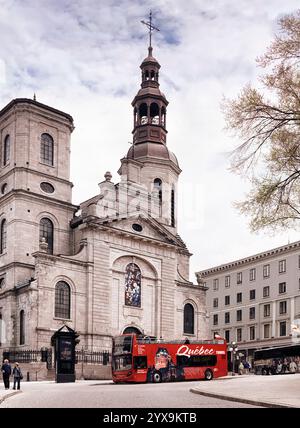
(34, 97)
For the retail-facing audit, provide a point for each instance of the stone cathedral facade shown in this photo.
(113, 264)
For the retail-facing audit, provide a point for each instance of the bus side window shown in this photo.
(140, 362)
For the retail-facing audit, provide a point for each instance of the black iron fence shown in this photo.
(23, 356)
(89, 357)
(44, 355)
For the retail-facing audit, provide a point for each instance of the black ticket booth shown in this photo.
(64, 341)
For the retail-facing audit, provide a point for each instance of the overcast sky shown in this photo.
(83, 57)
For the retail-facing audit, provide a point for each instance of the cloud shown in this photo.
(83, 57)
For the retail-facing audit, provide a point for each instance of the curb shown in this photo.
(11, 394)
(240, 400)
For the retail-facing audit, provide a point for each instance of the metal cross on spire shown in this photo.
(151, 28)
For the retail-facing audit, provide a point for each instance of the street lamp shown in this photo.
(233, 348)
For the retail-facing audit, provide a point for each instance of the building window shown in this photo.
(266, 271)
(282, 328)
(282, 288)
(62, 300)
(46, 231)
(252, 313)
(1, 327)
(227, 300)
(6, 150)
(215, 319)
(216, 302)
(282, 307)
(299, 262)
(227, 317)
(282, 266)
(227, 335)
(252, 332)
(239, 315)
(266, 291)
(47, 149)
(188, 322)
(239, 297)
(227, 281)
(22, 327)
(47, 187)
(158, 189)
(267, 310)
(266, 331)
(239, 335)
(252, 274)
(216, 284)
(173, 207)
(239, 278)
(3, 236)
(252, 294)
(133, 285)
(2, 282)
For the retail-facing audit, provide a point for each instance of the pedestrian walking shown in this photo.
(241, 368)
(6, 372)
(293, 367)
(17, 374)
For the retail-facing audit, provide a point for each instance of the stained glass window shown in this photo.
(132, 285)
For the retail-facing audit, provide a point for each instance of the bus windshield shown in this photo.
(122, 345)
(122, 362)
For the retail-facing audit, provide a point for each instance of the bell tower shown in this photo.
(149, 105)
(149, 163)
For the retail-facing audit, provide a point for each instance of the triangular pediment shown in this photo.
(145, 227)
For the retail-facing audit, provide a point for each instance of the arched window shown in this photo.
(152, 74)
(154, 114)
(188, 319)
(173, 207)
(132, 285)
(22, 327)
(46, 231)
(158, 188)
(147, 75)
(134, 330)
(163, 117)
(143, 114)
(47, 149)
(135, 116)
(3, 236)
(62, 300)
(6, 150)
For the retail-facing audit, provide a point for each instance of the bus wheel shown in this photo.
(208, 375)
(156, 377)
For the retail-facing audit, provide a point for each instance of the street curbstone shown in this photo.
(240, 400)
(10, 394)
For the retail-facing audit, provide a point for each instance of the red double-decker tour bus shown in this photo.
(144, 359)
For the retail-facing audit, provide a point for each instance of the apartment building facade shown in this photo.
(255, 301)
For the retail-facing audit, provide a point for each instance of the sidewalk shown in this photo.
(266, 391)
(5, 393)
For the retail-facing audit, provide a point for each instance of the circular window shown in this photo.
(47, 187)
(4, 188)
(137, 227)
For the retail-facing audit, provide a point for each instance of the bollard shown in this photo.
(28, 379)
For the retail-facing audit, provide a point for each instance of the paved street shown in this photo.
(100, 394)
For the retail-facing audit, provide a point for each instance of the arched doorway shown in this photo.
(133, 330)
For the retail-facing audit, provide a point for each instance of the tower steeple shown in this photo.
(149, 104)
